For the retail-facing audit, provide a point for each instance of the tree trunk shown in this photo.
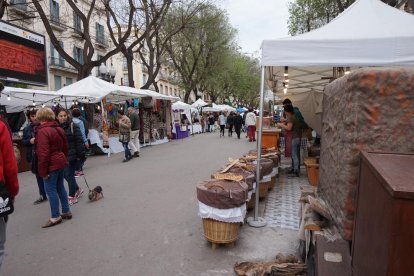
(2, 7)
(84, 72)
(130, 67)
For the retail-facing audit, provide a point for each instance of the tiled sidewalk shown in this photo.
(282, 205)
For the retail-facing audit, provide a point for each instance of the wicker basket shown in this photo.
(272, 182)
(220, 232)
(263, 189)
(250, 204)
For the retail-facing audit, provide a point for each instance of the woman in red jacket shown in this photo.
(51, 148)
(8, 176)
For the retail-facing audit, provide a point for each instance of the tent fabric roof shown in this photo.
(95, 89)
(199, 103)
(368, 33)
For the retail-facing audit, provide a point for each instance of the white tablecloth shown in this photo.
(114, 145)
(196, 128)
(225, 215)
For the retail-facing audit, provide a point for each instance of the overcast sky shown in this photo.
(257, 20)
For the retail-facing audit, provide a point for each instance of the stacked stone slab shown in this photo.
(369, 109)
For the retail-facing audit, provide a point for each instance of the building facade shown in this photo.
(67, 27)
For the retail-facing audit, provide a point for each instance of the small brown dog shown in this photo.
(95, 194)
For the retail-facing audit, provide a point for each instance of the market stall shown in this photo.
(369, 33)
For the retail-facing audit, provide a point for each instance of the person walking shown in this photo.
(292, 124)
(52, 150)
(8, 177)
(230, 121)
(251, 125)
(211, 122)
(76, 153)
(28, 141)
(134, 143)
(222, 122)
(76, 118)
(238, 122)
(124, 133)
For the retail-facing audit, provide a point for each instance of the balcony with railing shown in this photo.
(18, 6)
(57, 63)
(101, 42)
(56, 23)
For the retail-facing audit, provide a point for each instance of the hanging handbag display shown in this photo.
(6, 203)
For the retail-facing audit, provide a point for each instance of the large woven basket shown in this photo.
(263, 189)
(250, 204)
(220, 232)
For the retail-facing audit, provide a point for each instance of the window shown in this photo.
(56, 59)
(54, 11)
(161, 89)
(124, 64)
(171, 91)
(77, 22)
(69, 81)
(175, 92)
(100, 35)
(126, 82)
(144, 79)
(19, 4)
(58, 82)
(78, 54)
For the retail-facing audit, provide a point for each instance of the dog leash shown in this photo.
(86, 182)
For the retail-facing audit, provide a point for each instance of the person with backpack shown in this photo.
(76, 118)
(76, 152)
(8, 176)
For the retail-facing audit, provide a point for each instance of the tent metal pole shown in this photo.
(258, 221)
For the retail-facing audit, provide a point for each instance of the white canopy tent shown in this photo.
(199, 103)
(368, 33)
(184, 109)
(93, 90)
(17, 99)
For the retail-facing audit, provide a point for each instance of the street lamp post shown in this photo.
(106, 75)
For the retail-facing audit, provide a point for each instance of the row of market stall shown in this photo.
(93, 95)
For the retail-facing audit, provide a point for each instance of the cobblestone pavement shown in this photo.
(282, 207)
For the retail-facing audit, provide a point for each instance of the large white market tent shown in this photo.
(184, 108)
(368, 33)
(93, 90)
(17, 99)
(199, 103)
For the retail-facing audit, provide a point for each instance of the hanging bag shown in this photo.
(6, 203)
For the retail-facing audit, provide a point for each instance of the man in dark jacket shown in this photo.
(28, 141)
(238, 122)
(134, 144)
(8, 176)
(230, 121)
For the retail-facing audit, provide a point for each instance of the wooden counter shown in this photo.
(270, 137)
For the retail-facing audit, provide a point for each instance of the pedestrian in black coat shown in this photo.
(238, 122)
(230, 121)
(28, 141)
(76, 153)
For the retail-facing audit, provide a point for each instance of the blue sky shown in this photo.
(257, 20)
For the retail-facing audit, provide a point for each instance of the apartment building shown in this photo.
(67, 27)
(167, 79)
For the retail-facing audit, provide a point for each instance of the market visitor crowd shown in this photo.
(56, 142)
